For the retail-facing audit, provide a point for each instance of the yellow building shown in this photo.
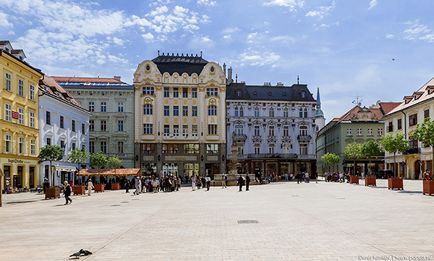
(19, 133)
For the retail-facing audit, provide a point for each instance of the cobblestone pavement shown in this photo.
(280, 221)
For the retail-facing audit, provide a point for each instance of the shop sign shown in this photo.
(15, 115)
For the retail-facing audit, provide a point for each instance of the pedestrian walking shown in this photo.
(247, 182)
(226, 181)
(193, 183)
(127, 185)
(89, 186)
(137, 185)
(67, 192)
(306, 177)
(240, 183)
(208, 182)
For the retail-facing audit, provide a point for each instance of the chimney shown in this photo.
(230, 75)
(224, 68)
(118, 78)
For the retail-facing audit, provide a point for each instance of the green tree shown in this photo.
(425, 134)
(98, 160)
(353, 151)
(393, 145)
(51, 153)
(78, 156)
(372, 149)
(330, 159)
(113, 162)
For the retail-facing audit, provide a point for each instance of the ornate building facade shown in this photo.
(111, 105)
(180, 116)
(275, 127)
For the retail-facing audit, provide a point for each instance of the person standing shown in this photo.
(127, 185)
(208, 182)
(247, 182)
(240, 183)
(137, 185)
(89, 186)
(226, 181)
(67, 192)
(193, 183)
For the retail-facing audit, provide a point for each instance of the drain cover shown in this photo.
(246, 221)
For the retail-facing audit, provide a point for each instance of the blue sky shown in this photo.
(375, 49)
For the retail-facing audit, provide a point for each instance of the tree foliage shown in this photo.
(98, 160)
(51, 153)
(353, 151)
(371, 149)
(394, 144)
(425, 134)
(78, 156)
(113, 162)
(330, 159)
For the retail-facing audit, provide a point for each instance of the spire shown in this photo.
(319, 112)
(298, 79)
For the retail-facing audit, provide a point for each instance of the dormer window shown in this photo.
(239, 93)
(408, 99)
(430, 89)
(417, 95)
(303, 94)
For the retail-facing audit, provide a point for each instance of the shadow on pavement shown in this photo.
(410, 192)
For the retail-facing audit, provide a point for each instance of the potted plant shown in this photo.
(353, 151)
(114, 162)
(51, 153)
(98, 160)
(370, 150)
(393, 145)
(425, 134)
(78, 156)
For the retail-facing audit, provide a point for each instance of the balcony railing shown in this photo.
(304, 138)
(412, 151)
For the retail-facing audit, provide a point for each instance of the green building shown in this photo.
(360, 124)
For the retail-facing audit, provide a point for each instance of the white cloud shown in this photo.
(256, 58)
(418, 31)
(206, 2)
(322, 11)
(390, 36)
(372, 4)
(117, 41)
(293, 5)
(4, 22)
(148, 37)
(227, 32)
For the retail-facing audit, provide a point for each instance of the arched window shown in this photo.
(212, 110)
(256, 112)
(236, 111)
(271, 112)
(241, 112)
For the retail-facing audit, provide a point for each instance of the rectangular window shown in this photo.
(256, 130)
(83, 129)
(103, 125)
(8, 112)
(91, 106)
(166, 130)
(399, 127)
(120, 147)
(120, 125)
(191, 148)
(166, 92)
(148, 90)
(184, 110)
(147, 109)
(349, 132)
(8, 82)
(380, 132)
(176, 130)
(303, 149)
(91, 125)
(20, 115)
(412, 120)
(166, 111)
(103, 147)
(194, 130)
(194, 111)
(8, 145)
(103, 107)
(175, 110)
(271, 149)
(212, 148)
(303, 130)
(62, 144)
(32, 147)
(184, 93)
(359, 132)
(285, 131)
(73, 146)
(212, 110)
(390, 126)
(211, 92)
(175, 93)
(270, 113)
(48, 141)
(257, 149)
(91, 146)
(285, 113)
(194, 93)
(185, 130)
(426, 114)
(32, 119)
(73, 125)
(21, 145)
(212, 129)
(147, 129)
(370, 132)
(120, 107)
(21, 88)
(62, 122)
(271, 131)
(256, 112)
(48, 118)
(32, 92)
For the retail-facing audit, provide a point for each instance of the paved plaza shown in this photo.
(280, 221)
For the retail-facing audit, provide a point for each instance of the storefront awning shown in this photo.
(109, 172)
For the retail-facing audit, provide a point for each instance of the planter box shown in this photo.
(354, 179)
(370, 181)
(428, 187)
(99, 187)
(116, 186)
(52, 192)
(395, 183)
(78, 190)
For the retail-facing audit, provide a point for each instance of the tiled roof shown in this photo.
(53, 88)
(424, 93)
(65, 79)
(387, 107)
(180, 63)
(109, 172)
(241, 91)
(358, 113)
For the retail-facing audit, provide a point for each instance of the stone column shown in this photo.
(159, 156)
(202, 159)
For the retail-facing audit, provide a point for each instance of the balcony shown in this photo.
(412, 151)
(241, 137)
(304, 138)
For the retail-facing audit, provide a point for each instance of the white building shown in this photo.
(275, 127)
(413, 110)
(111, 105)
(180, 115)
(63, 122)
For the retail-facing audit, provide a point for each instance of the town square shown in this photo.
(216, 130)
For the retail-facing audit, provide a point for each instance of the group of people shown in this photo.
(335, 177)
(198, 182)
(153, 184)
(241, 181)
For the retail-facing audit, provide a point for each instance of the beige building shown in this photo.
(180, 116)
(404, 118)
